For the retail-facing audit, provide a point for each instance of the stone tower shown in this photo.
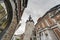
(29, 28)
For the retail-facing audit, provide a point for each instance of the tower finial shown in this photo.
(30, 17)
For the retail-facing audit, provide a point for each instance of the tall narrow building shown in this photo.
(28, 29)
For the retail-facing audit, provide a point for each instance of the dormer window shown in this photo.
(51, 15)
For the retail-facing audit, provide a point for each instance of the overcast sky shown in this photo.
(35, 8)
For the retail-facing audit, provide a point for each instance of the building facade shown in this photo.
(48, 26)
(14, 12)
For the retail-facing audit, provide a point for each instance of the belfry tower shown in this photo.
(29, 28)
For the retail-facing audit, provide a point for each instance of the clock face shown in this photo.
(5, 16)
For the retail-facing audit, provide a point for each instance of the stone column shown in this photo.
(43, 36)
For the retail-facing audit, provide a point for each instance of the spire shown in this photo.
(30, 19)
